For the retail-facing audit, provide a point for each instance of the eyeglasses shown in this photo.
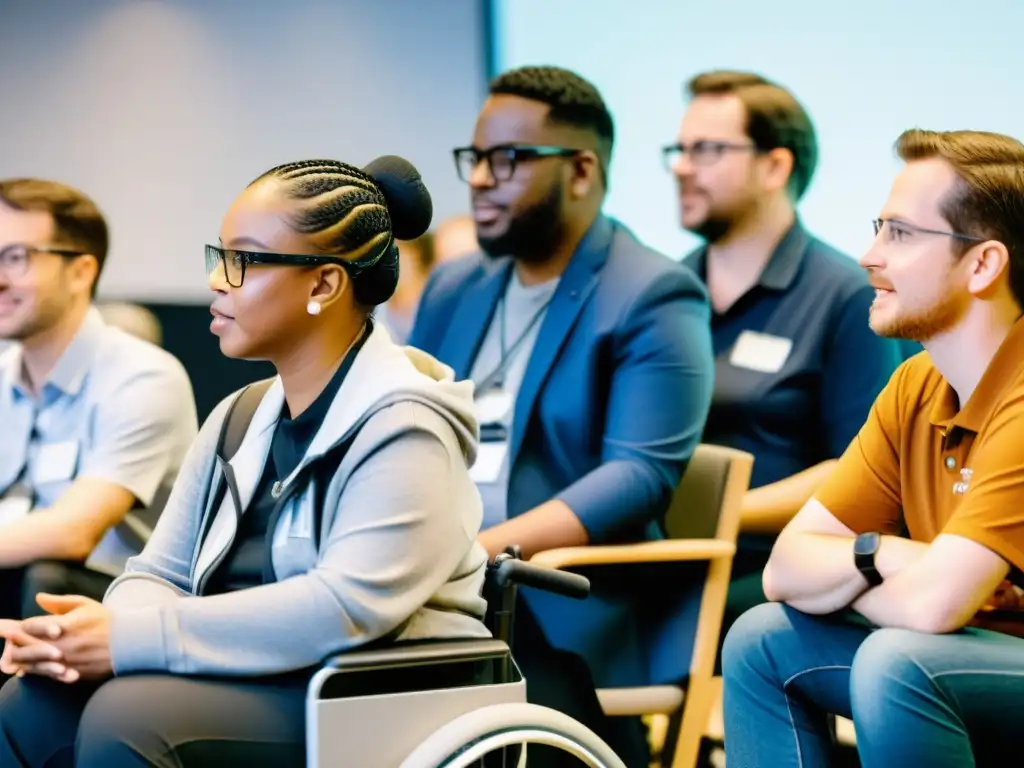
(234, 262)
(895, 231)
(14, 259)
(702, 152)
(502, 159)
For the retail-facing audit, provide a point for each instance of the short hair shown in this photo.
(78, 223)
(775, 119)
(987, 201)
(359, 213)
(571, 99)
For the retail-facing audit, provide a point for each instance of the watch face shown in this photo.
(866, 544)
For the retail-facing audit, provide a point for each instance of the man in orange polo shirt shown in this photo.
(894, 587)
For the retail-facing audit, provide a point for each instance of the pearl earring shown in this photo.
(313, 308)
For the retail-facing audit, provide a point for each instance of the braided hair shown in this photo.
(358, 214)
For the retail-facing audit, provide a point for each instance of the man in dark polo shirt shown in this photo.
(941, 455)
(797, 366)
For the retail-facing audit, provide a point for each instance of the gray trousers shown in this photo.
(153, 720)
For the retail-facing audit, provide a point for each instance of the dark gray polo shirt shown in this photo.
(797, 367)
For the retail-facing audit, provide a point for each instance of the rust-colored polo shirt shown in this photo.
(923, 460)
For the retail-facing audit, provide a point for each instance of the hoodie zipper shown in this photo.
(304, 481)
(236, 503)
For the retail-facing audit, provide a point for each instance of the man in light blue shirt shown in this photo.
(94, 423)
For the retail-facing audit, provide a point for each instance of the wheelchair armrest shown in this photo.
(416, 652)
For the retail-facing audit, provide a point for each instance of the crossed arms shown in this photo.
(933, 588)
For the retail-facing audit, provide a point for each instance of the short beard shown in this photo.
(926, 324)
(534, 235)
(46, 316)
(713, 229)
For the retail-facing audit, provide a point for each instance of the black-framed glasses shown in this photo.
(896, 231)
(14, 259)
(234, 261)
(502, 159)
(703, 152)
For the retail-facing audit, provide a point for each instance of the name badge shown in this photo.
(490, 457)
(15, 505)
(760, 352)
(15, 509)
(494, 406)
(55, 462)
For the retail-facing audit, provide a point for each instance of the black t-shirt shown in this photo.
(243, 565)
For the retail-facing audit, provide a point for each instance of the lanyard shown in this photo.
(496, 378)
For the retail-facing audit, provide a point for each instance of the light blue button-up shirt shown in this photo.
(113, 408)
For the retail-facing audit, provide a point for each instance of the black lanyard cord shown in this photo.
(496, 378)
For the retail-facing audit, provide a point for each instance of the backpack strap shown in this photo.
(239, 417)
(137, 526)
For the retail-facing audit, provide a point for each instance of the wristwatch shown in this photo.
(865, 547)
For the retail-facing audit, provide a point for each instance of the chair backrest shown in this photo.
(706, 504)
(685, 609)
(713, 488)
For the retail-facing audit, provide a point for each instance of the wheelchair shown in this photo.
(445, 703)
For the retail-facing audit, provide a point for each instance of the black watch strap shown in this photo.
(865, 547)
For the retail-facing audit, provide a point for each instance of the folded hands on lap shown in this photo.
(72, 643)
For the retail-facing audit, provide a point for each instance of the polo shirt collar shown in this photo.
(782, 267)
(1001, 373)
(69, 373)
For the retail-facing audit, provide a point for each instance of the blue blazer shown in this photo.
(611, 406)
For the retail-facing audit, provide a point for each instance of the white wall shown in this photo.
(164, 110)
(865, 71)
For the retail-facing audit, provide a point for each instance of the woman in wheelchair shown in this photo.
(325, 509)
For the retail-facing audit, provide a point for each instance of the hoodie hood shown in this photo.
(383, 374)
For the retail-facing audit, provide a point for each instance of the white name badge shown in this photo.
(760, 352)
(494, 406)
(55, 462)
(14, 508)
(490, 457)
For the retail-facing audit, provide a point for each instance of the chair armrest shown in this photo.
(417, 652)
(667, 551)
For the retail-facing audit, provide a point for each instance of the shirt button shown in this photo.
(950, 462)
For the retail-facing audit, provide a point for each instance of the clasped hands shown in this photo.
(70, 644)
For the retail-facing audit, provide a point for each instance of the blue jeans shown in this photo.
(915, 699)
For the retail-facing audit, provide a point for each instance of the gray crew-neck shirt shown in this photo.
(524, 308)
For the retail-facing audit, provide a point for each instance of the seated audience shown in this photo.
(897, 585)
(346, 515)
(591, 356)
(95, 423)
(415, 260)
(133, 319)
(454, 238)
(796, 365)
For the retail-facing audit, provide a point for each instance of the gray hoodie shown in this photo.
(397, 556)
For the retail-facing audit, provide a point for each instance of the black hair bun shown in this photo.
(409, 203)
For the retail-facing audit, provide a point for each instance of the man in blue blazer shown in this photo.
(593, 365)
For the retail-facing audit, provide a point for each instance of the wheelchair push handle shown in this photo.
(511, 570)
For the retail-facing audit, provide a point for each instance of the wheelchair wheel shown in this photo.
(467, 739)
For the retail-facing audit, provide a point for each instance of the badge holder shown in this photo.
(15, 504)
(493, 408)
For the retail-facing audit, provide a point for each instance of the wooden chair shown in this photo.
(702, 524)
